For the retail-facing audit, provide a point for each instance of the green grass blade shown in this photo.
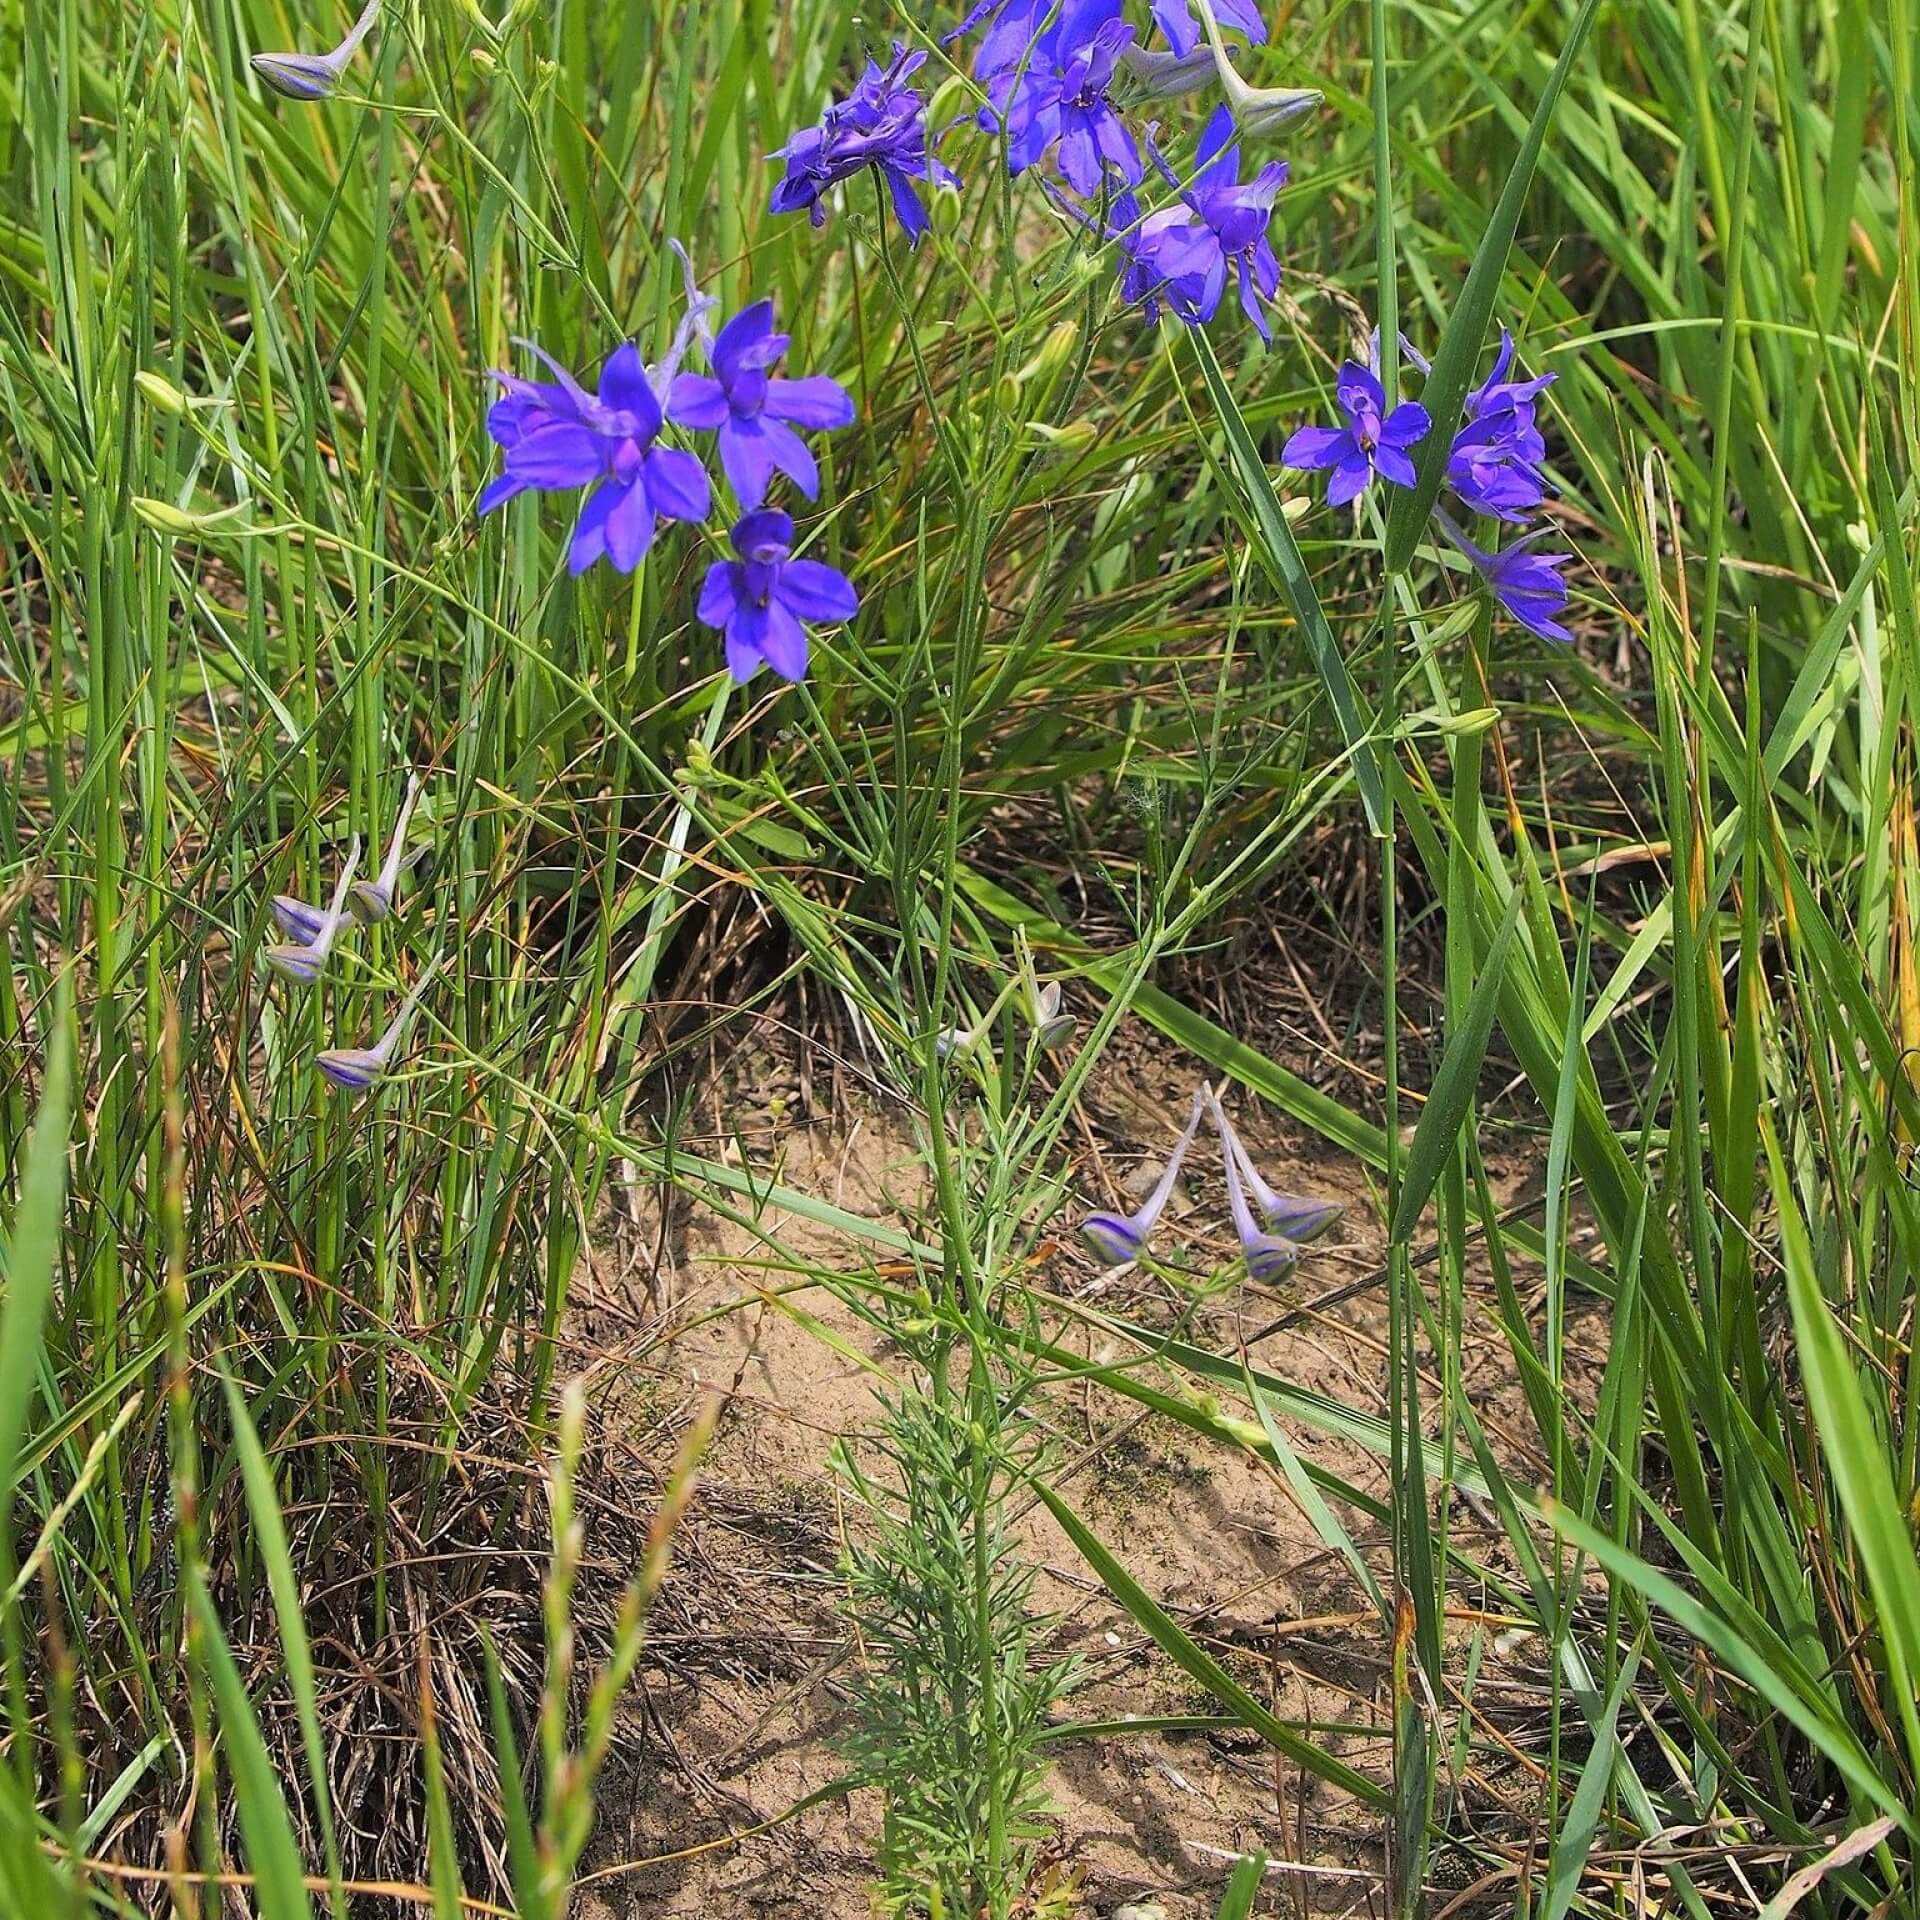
(1198, 1664)
(1459, 350)
(1280, 554)
(270, 1536)
(273, 1853)
(1438, 1132)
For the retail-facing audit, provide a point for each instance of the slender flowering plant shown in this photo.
(303, 961)
(314, 76)
(1118, 1238)
(370, 901)
(1494, 468)
(753, 412)
(881, 124)
(356, 1068)
(764, 600)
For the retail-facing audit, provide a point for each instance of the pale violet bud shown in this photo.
(1293, 1216)
(1051, 1027)
(1267, 1255)
(356, 1068)
(370, 901)
(1256, 110)
(313, 76)
(305, 960)
(298, 920)
(1166, 76)
(1119, 1238)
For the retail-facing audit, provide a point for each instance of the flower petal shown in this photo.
(790, 455)
(677, 484)
(749, 328)
(630, 526)
(783, 642)
(697, 402)
(719, 593)
(816, 591)
(817, 403)
(1351, 479)
(623, 384)
(1315, 448)
(746, 457)
(558, 456)
(1407, 425)
(590, 530)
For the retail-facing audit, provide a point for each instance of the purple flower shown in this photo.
(1373, 440)
(1176, 19)
(1527, 584)
(557, 437)
(762, 599)
(754, 411)
(1186, 250)
(1118, 1238)
(1051, 86)
(1494, 463)
(882, 123)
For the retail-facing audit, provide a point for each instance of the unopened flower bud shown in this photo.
(161, 393)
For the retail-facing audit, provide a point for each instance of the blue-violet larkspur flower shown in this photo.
(1494, 463)
(882, 124)
(557, 436)
(1372, 441)
(1527, 584)
(1221, 222)
(762, 600)
(1056, 90)
(754, 411)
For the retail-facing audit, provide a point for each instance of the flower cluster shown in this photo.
(558, 438)
(1272, 1226)
(1058, 80)
(1054, 80)
(1494, 469)
(308, 934)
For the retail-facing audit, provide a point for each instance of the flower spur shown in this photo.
(357, 1068)
(1119, 1238)
(304, 960)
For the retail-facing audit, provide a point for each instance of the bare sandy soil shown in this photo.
(743, 1692)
